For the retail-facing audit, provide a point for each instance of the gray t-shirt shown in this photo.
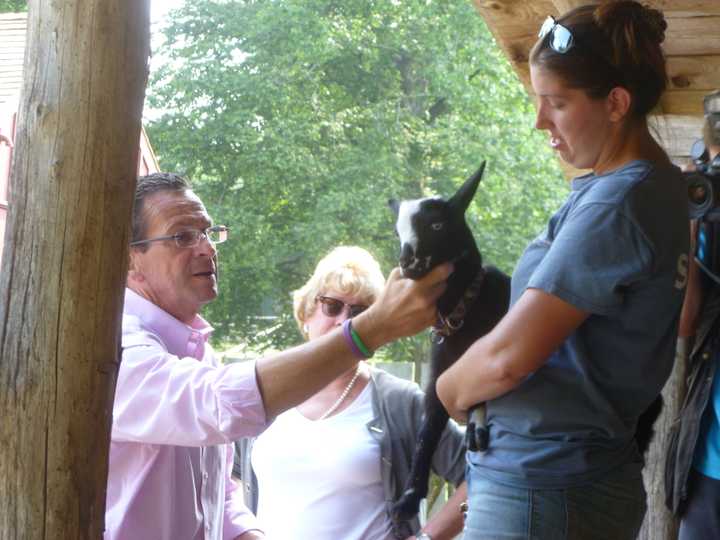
(617, 249)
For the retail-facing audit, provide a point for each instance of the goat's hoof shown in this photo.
(407, 506)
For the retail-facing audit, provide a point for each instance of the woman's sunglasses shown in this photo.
(332, 307)
(561, 39)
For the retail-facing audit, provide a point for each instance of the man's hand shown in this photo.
(404, 308)
(6, 140)
(251, 535)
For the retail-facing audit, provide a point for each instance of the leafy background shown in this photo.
(296, 120)
(13, 6)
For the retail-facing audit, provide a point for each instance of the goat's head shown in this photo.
(433, 230)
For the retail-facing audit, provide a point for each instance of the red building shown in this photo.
(12, 50)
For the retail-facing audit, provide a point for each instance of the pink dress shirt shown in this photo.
(175, 414)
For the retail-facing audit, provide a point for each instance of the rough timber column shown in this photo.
(63, 267)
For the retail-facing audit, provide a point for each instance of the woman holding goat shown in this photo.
(589, 340)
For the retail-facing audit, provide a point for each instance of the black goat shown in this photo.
(433, 231)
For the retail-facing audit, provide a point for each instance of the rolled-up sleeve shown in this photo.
(164, 399)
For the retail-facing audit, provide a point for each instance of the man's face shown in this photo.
(178, 280)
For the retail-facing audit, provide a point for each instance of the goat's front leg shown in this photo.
(477, 436)
(416, 487)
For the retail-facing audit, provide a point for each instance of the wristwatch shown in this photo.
(423, 536)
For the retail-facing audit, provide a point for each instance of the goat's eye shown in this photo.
(437, 226)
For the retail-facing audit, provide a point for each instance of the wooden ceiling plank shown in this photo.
(672, 7)
(693, 36)
(683, 102)
(676, 133)
(694, 72)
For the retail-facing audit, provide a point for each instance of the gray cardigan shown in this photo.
(398, 408)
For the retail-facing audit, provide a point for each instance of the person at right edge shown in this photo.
(589, 339)
(692, 470)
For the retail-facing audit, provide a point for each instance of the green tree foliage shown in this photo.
(298, 119)
(13, 6)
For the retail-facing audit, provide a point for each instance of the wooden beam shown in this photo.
(563, 6)
(683, 102)
(686, 8)
(689, 36)
(694, 72)
(64, 262)
(676, 133)
(519, 13)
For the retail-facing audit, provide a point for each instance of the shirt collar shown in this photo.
(180, 338)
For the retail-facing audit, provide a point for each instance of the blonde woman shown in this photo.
(332, 467)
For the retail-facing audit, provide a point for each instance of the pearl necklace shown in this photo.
(343, 395)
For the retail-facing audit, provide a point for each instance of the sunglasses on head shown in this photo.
(561, 39)
(332, 307)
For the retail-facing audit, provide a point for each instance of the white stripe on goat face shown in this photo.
(405, 230)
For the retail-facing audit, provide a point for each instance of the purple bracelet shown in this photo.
(346, 327)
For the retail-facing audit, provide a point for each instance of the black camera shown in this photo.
(704, 184)
(704, 191)
(704, 181)
(704, 205)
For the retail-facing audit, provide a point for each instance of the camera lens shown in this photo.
(700, 194)
(697, 194)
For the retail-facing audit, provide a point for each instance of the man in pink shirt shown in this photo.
(177, 410)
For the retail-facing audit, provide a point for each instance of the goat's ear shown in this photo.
(394, 206)
(461, 200)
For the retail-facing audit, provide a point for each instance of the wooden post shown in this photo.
(64, 262)
(659, 522)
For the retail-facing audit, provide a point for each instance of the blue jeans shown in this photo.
(701, 517)
(610, 508)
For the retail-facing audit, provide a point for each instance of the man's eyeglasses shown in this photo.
(332, 307)
(561, 39)
(191, 237)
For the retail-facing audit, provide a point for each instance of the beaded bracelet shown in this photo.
(359, 349)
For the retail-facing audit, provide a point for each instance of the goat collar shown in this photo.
(447, 325)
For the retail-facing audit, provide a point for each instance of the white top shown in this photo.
(321, 479)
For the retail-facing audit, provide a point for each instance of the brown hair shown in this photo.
(146, 186)
(617, 43)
